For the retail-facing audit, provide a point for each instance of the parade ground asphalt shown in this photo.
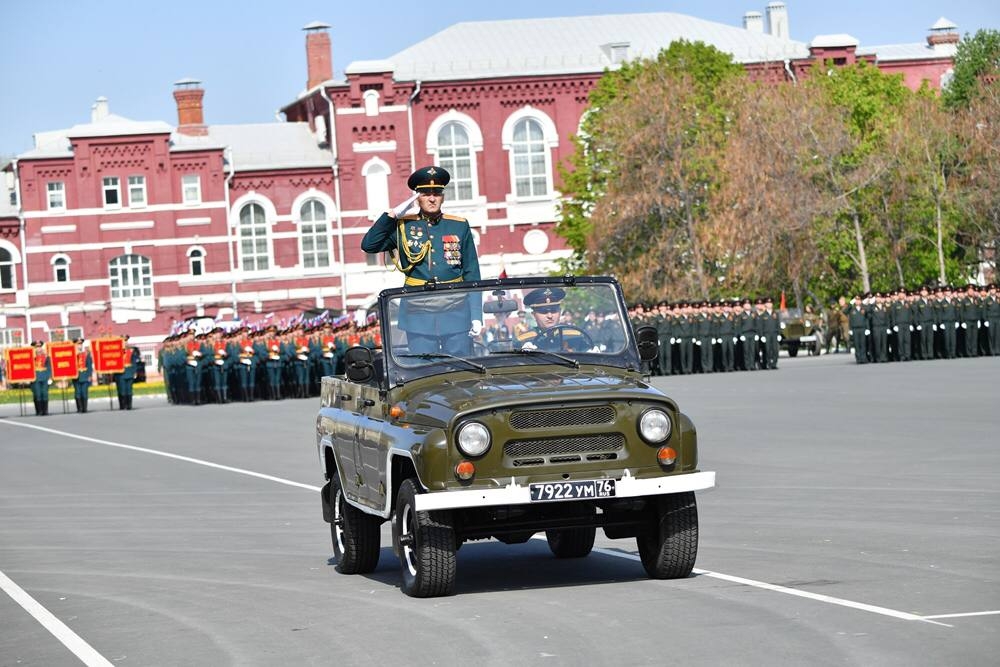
(856, 521)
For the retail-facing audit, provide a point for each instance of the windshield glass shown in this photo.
(503, 323)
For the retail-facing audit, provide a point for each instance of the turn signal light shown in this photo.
(666, 456)
(465, 470)
(396, 412)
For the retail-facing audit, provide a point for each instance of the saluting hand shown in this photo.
(402, 208)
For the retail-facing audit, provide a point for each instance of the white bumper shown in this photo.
(515, 494)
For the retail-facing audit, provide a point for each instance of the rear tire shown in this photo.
(793, 349)
(356, 535)
(426, 546)
(669, 545)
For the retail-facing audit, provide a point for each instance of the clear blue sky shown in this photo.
(60, 55)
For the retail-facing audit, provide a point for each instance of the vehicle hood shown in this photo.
(438, 402)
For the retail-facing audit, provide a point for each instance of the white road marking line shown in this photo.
(607, 552)
(81, 649)
(971, 613)
(168, 455)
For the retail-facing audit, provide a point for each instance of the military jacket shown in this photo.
(857, 318)
(446, 245)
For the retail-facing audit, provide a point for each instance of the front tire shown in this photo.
(426, 546)
(356, 535)
(669, 545)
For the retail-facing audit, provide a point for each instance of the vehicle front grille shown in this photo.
(555, 418)
(573, 449)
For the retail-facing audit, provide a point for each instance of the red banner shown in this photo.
(20, 364)
(108, 354)
(63, 356)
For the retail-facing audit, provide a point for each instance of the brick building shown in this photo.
(118, 226)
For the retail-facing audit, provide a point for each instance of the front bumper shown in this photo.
(515, 494)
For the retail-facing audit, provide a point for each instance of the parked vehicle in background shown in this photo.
(800, 331)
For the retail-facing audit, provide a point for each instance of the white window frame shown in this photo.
(191, 183)
(550, 137)
(139, 186)
(50, 192)
(65, 334)
(13, 337)
(111, 184)
(321, 230)
(196, 254)
(60, 261)
(376, 174)
(135, 277)
(475, 143)
(269, 214)
(11, 265)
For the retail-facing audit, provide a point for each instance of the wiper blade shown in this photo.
(569, 361)
(442, 355)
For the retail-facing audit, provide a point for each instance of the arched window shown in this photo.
(60, 268)
(455, 154)
(255, 252)
(530, 156)
(196, 260)
(376, 173)
(131, 277)
(314, 235)
(7, 270)
(371, 102)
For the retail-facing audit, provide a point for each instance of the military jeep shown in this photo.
(800, 331)
(504, 439)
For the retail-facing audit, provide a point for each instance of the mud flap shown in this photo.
(325, 499)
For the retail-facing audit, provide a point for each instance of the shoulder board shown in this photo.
(456, 218)
(527, 335)
(570, 333)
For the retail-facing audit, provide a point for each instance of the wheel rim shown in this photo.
(338, 521)
(409, 555)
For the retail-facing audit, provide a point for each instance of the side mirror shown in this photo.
(358, 364)
(648, 342)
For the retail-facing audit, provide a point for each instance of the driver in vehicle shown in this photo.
(550, 335)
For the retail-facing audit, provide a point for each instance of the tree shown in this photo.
(646, 164)
(976, 59)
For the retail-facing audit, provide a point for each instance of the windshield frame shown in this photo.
(398, 372)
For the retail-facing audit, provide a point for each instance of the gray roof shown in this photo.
(916, 51)
(56, 143)
(261, 145)
(572, 45)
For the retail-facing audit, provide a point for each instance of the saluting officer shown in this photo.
(430, 246)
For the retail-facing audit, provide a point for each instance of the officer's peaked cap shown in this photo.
(545, 296)
(428, 179)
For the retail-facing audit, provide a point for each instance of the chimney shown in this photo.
(99, 111)
(190, 115)
(753, 22)
(943, 37)
(319, 58)
(777, 20)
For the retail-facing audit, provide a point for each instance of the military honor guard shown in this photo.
(43, 377)
(84, 375)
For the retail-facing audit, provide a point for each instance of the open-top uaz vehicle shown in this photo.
(507, 439)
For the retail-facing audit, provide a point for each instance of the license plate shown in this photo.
(593, 488)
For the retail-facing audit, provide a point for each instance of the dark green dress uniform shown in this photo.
(124, 380)
(664, 332)
(684, 329)
(879, 318)
(767, 321)
(947, 317)
(969, 325)
(43, 375)
(924, 324)
(857, 320)
(81, 383)
(703, 341)
(746, 330)
(991, 320)
(901, 318)
(441, 249)
(726, 330)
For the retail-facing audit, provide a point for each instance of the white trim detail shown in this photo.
(58, 229)
(189, 222)
(374, 146)
(453, 116)
(135, 224)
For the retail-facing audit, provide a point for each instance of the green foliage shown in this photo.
(976, 56)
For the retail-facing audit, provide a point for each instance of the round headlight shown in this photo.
(473, 439)
(654, 426)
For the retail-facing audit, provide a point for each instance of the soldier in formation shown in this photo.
(929, 323)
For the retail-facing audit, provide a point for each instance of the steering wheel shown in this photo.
(555, 339)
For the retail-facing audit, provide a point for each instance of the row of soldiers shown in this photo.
(712, 336)
(250, 364)
(929, 323)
